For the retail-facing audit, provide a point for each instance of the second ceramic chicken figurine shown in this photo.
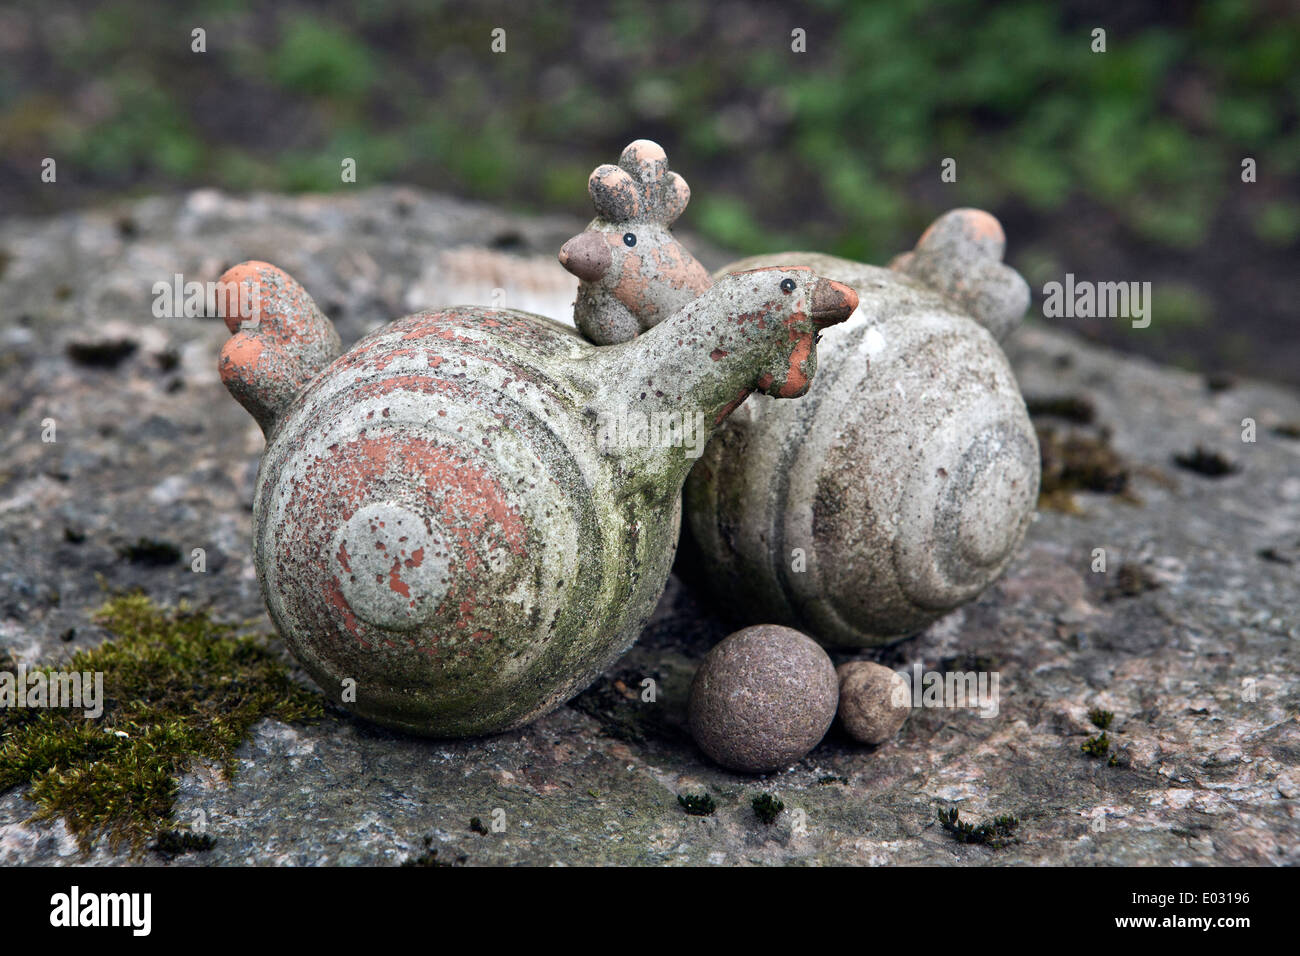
(902, 485)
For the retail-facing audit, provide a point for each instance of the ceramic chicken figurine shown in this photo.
(901, 486)
(632, 272)
(447, 533)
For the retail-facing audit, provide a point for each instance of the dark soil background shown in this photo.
(1116, 166)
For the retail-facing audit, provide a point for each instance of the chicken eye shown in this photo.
(629, 240)
(787, 286)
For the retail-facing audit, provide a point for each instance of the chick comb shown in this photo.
(640, 188)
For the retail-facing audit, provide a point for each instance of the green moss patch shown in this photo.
(996, 833)
(1097, 746)
(1101, 719)
(178, 687)
(697, 804)
(767, 807)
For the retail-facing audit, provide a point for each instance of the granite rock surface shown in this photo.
(1189, 636)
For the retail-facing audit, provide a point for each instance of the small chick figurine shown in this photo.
(633, 272)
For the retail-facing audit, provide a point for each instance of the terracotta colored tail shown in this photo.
(276, 348)
(960, 256)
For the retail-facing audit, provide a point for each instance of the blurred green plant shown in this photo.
(1278, 223)
(838, 148)
(321, 60)
(1152, 129)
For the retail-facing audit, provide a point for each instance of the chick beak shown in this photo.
(586, 256)
(832, 302)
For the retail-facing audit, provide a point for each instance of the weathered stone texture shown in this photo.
(149, 446)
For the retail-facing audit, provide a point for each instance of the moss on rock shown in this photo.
(177, 687)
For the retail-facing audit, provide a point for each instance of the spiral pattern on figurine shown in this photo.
(896, 490)
(428, 488)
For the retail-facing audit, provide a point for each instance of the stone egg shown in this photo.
(763, 698)
(874, 701)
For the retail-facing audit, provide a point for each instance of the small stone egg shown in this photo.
(762, 699)
(874, 701)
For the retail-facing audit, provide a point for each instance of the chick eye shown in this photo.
(787, 286)
(629, 240)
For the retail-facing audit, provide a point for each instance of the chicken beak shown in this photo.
(586, 255)
(832, 302)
